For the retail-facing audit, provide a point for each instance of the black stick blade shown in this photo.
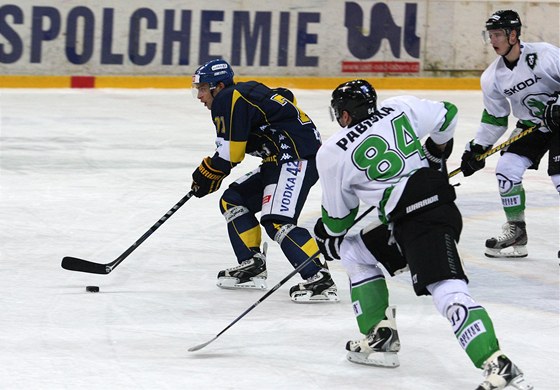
(75, 264)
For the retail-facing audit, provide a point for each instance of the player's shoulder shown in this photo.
(247, 86)
(539, 47)
(331, 145)
(488, 77)
(491, 69)
(401, 100)
(401, 103)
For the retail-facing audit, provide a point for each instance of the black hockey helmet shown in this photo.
(357, 97)
(504, 20)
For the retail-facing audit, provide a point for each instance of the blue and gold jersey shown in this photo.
(251, 118)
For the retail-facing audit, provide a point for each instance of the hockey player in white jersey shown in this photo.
(378, 159)
(520, 81)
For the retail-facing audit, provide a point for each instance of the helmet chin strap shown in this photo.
(510, 45)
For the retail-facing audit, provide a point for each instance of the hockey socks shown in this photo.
(513, 202)
(297, 244)
(474, 331)
(370, 299)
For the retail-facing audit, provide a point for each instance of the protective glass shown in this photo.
(332, 113)
(493, 35)
(202, 87)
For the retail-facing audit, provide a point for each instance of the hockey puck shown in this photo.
(92, 288)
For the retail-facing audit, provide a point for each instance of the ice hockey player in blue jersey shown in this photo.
(377, 159)
(521, 81)
(251, 118)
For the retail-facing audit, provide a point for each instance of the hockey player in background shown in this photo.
(251, 118)
(377, 159)
(520, 81)
(551, 120)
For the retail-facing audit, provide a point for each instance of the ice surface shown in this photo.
(85, 173)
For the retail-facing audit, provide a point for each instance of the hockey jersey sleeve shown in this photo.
(494, 121)
(436, 119)
(231, 114)
(339, 207)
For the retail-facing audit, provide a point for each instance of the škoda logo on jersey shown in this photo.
(522, 85)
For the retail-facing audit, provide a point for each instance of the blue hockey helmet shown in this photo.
(357, 97)
(213, 72)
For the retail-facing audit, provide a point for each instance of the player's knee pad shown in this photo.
(448, 293)
(231, 205)
(230, 198)
(510, 170)
(234, 212)
(276, 230)
(357, 260)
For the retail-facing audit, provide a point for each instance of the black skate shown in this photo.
(500, 373)
(318, 288)
(250, 273)
(511, 243)
(380, 346)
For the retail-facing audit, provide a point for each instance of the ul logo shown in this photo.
(382, 26)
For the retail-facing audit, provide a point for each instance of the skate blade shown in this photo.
(378, 359)
(233, 284)
(507, 253)
(329, 295)
(520, 383)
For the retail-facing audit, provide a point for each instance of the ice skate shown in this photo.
(250, 274)
(511, 243)
(500, 373)
(381, 345)
(318, 288)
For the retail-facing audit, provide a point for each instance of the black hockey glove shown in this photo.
(469, 162)
(551, 116)
(328, 245)
(435, 155)
(206, 179)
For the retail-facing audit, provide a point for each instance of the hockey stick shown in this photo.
(276, 287)
(75, 264)
(499, 147)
